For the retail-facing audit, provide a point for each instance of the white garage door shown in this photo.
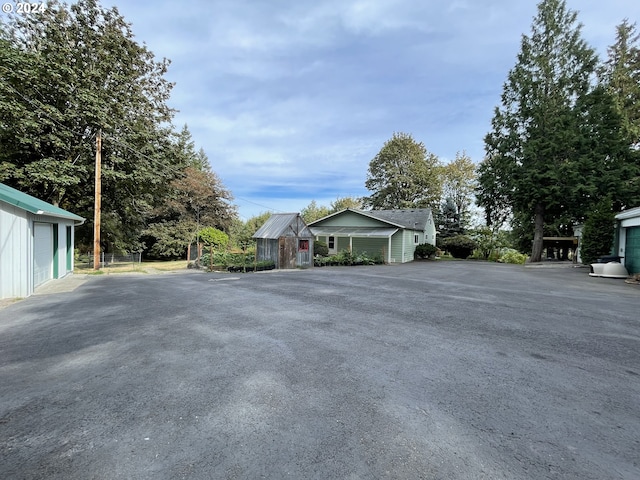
(42, 253)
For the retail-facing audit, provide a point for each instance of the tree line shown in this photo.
(564, 144)
(67, 74)
(563, 150)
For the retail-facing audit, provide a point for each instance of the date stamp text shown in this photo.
(24, 8)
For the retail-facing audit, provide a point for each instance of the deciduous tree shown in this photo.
(403, 175)
(65, 74)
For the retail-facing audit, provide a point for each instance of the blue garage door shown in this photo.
(632, 253)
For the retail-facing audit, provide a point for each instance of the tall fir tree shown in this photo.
(620, 77)
(535, 137)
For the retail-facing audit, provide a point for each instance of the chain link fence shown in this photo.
(109, 259)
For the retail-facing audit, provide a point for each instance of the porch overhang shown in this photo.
(354, 232)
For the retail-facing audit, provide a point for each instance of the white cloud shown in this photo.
(298, 96)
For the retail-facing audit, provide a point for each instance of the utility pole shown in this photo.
(97, 203)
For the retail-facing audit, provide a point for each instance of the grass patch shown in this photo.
(129, 267)
(165, 266)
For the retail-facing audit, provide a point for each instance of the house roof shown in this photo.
(283, 225)
(410, 218)
(34, 205)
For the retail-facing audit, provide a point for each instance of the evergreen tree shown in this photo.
(598, 232)
(620, 76)
(536, 135)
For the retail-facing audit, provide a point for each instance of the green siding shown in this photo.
(343, 243)
(350, 219)
(409, 245)
(371, 245)
(396, 247)
(632, 248)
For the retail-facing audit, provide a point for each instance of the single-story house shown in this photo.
(628, 239)
(392, 233)
(36, 242)
(286, 240)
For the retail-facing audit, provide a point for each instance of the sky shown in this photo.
(291, 99)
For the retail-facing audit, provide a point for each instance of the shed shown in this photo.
(36, 242)
(628, 236)
(286, 240)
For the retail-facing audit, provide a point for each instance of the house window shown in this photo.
(303, 245)
(331, 243)
(416, 239)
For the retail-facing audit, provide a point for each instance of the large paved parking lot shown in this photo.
(434, 370)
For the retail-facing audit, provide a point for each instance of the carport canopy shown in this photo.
(357, 232)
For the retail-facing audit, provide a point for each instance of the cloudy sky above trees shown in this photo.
(292, 99)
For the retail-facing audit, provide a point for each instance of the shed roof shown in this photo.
(284, 225)
(34, 205)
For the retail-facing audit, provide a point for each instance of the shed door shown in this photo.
(42, 253)
(288, 249)
(632, 250)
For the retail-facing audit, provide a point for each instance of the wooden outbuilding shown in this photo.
(286, 240)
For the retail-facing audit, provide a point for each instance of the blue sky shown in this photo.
(291, 99)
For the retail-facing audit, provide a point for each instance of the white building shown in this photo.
(629, 239)
(36, 242)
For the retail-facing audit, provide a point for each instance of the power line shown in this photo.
(37, 104)
(259, 204)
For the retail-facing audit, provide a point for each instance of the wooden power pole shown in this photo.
(97, 203)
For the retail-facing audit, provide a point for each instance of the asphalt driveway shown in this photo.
(438, 370)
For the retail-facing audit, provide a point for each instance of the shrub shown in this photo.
(510, 255)
(345, 258)
(460, 246)
(426, 250)
(320, 248)
(212, 237)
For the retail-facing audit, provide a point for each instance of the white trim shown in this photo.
(630, 222)
(631, 213)
(334, 250)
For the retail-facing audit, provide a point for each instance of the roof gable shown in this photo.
(351, 218)
(34, 205)
(284, 225)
